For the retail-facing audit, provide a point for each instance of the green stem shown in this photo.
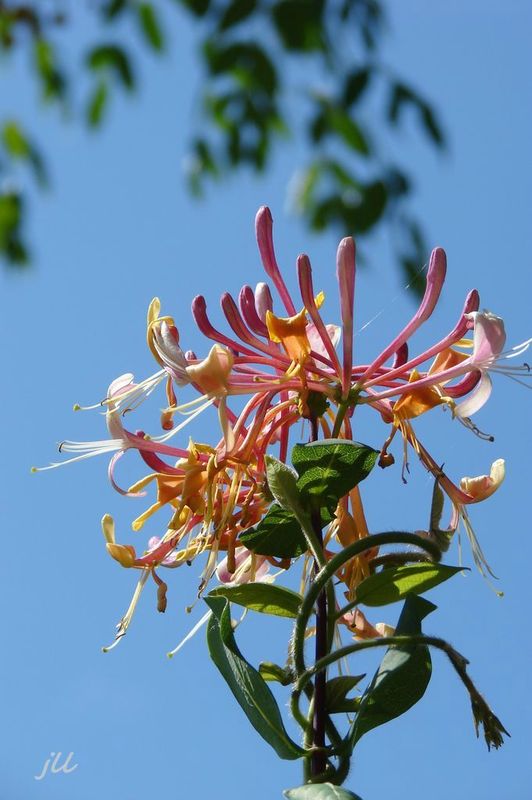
(331, 567)
(340, 416)
(483, 715)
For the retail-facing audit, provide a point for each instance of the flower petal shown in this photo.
(476, 399)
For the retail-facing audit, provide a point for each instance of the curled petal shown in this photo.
(476, 399)
(123, 553)
(212, 374)
(483, 486)
(489, 337)
(316, 342)
(247, 568)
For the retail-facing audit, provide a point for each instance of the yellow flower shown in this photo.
(291, 332)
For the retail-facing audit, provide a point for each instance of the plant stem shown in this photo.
(319, 761)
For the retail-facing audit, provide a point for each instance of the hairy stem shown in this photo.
(318, 761)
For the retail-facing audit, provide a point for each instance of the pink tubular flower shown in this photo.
(489, 338)
(278, 362)
(487, 356)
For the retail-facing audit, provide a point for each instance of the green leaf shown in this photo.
(247, 62)
(150, 27)
(394, 583)
(432, 125)
(371, 208)
(348, 130)
(278, 534)
(337, 690)
(15, 141)
(402, 96)
(320, 791)
(329, 469)
(19, 146)
(247, 685)
(52, 79)
(282, 483)
(299, 24)
(113, 8)
(264, 597)
(198, 7)
(273, 672)
(12, 246)
(114, 59)
(355, 85)
(402, 677)
(236, 11)
(97, 104)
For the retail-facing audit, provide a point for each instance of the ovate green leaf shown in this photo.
(150, 26)
(329, 469)
(395, 583)
(278, 534)
(263, 597)
(337, 690)
(282, 482)
(402, 677)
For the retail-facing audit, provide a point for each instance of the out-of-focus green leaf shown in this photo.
(247, 62)
(150, 26)
(348, 129)
(15, 141)
(198, 7)
(402, 677)
(332, 119)
(12, 247)
(97, 104)
(249, 688)
(113, 59)
(52, 79)
(235, 12)
(371, 208)
(356, 83)
(113, 8)
(19, 146)
(299, 24)
(432, 124)
(266, 598)
(278, 534)
(402, 96)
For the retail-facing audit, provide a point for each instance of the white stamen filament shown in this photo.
(124, 623)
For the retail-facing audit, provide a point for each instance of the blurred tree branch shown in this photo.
(257, 55)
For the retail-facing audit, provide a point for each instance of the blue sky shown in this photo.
(118, 228)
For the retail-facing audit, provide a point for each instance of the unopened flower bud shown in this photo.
(161, 597)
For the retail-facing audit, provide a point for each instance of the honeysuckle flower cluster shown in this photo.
(285, 360)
